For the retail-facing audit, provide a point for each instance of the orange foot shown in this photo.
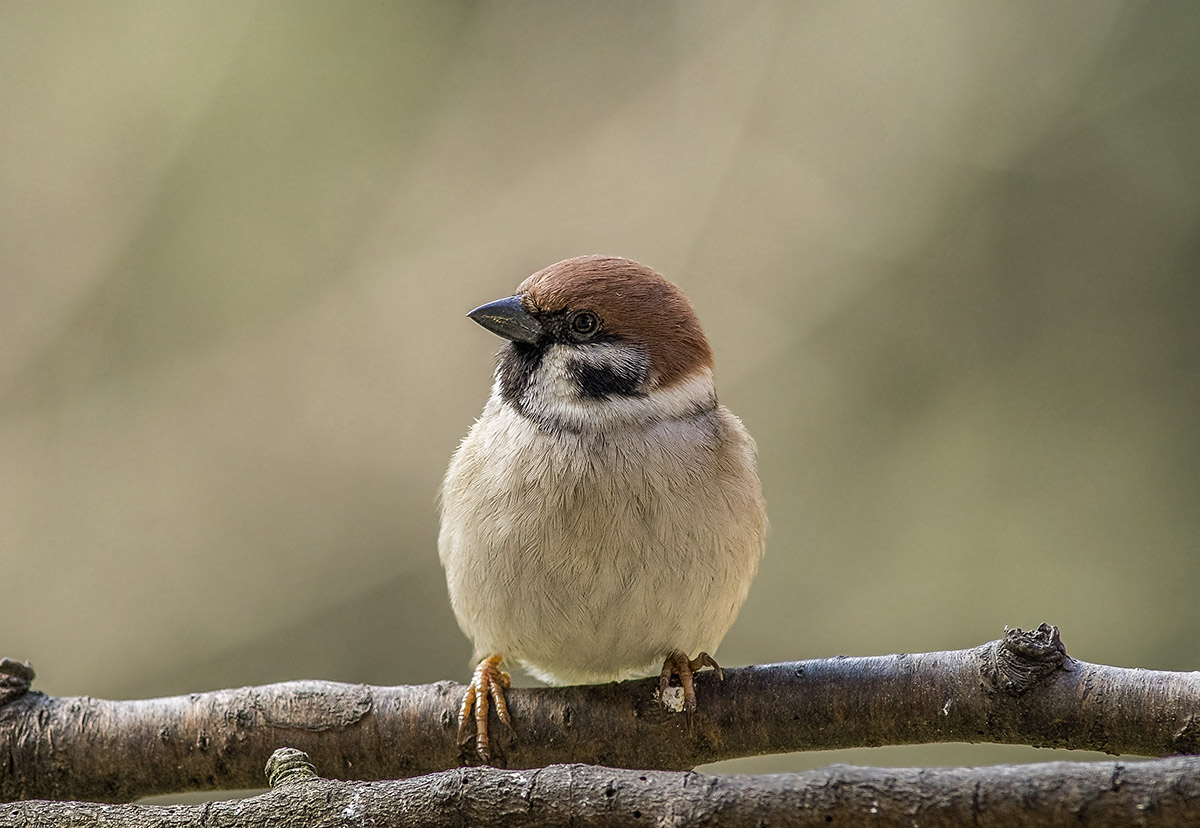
(677, 664)
(488, 682)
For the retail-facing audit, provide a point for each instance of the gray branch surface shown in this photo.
(1022, 689)
(1163, 792)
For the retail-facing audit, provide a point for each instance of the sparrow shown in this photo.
(604, 515)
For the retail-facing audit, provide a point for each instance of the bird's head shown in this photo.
(598, 342)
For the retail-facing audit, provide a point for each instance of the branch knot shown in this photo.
(1187, 738)
(287, 766)
(1022, 660)
(16, 677)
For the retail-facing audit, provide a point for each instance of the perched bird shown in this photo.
(604, 515)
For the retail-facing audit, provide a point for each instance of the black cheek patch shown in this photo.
(518, 362)
(601, 381)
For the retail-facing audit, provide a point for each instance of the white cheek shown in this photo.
(554, 397)
(623, 360)
(552, 381)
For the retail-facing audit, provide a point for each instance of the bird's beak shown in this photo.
(506, 318)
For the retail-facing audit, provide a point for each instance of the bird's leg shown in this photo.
(678, 664)
(488, 683)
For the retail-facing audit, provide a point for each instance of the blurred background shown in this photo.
(947, 254)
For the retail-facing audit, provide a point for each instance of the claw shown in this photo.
(487, 683)
(464, 711)
(678, 664)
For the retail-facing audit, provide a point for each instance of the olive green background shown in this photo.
(947, 254)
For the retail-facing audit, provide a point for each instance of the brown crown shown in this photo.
(633, 303)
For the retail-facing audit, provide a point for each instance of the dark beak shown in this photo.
(506, 318)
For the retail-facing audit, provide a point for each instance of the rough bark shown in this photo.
(1022, 689)
(1164, 792)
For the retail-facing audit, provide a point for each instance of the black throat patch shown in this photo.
(518, 363)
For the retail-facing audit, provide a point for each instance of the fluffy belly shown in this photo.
(585, 567)
(604, 589)
(611, 614)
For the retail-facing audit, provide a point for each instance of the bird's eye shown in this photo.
(584, 324)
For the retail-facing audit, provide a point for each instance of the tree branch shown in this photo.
(1022, 689)
(1163, 792)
